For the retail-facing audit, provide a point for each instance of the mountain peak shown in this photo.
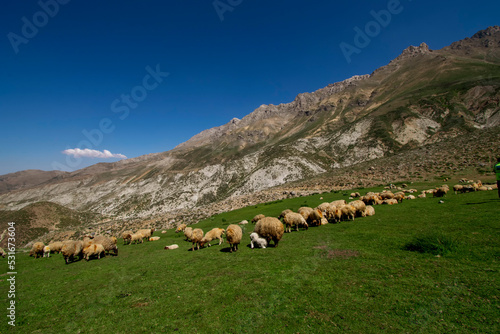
(490, 31)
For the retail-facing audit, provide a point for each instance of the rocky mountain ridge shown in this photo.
(423, 97)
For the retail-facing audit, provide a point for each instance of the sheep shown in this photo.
(440, 192)
(333, 215)
(355, 195)
(369, 211)
(180, 228)
(457, 188)
(109, 243)
(257, 218)
(338, 203)
(360, 207)
(314, 218)
(305, 211)
(283, 213)
(386, 195)
(93, 249)
(234, 234)
(37, 249)
(146, 233)
(399, 196)
(46, 251)
(348, 212)
(136, 238)
(270, 228)
(72, 249)
(154, 238)
(422, 195)
(2, 252)
(55, 247)
(174, 246)
(255, 240)
(370, 199)
(390, 201)
(243, 222)
(324, 207)
(410, 197)
(196, 238)
(215, 233)
(188, 232)
(126, 237)
(294, 219)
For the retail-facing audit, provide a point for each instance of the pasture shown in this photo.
(354, 277)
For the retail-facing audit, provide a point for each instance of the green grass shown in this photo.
(353, 277)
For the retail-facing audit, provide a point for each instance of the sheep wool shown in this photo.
(37, 249)
(305, 211)
(188, 232)
(136, 238)
(174, 246)
(109, 243)
(257, 218)
(181, 228)
(369, 211)
(46, 251)
(292, 219)
(215, 233)
(360, 207)
(55, 247)
(146, 233)
(72, 249)
(196, 238)
(126, 237)
(234, 235)
(314, 218)
(270, 228)
(283, 213)
(93, 249)
(154, 238)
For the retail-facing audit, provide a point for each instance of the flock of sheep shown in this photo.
(266, 229)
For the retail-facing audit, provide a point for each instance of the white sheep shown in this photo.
(154, 238)
(56, 246)
(255, 240)
(146, 233)
(188, 232)
(109, 243)
(196, 238)
(46, 251)
(37, 249)
(72, 249)
(257, 218)
(174, 246)
(136, 238)
(126, 237)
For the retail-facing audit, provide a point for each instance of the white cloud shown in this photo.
(88, 153)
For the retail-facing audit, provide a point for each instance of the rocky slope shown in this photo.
(423, 97)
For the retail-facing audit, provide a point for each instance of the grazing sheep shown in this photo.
(294, 219)
(215, 233)
(188, 232)
(109, 243)
(234, 234)
(369, 211)
(386, 195)
(457, 188)
(410, 197)
(355, 195)
(390, 201)
(146, 233)
(370, 199)
(55, 247)
(422, 195)
(2, 252)
(305, 211)
(257, 218)
(323, 207)
(72, 249)
(37, 249)
(399, 196)
(180, 228)
(440, 192)
(255, 240)
(243, 222)
(333, 215)
(283, 213)
(348, 212)
(174, 246)
(93, 249)
(46, 251)
(270, 228)
(360, 207)
(136, 238)
(126, 237)
(314, 218)
(154, 238)
(196, 238)
(339, 203)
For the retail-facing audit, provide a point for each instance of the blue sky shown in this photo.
(140, 77)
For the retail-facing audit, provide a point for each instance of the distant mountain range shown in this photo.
(422, 97)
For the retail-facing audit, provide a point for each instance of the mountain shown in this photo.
(422, 98)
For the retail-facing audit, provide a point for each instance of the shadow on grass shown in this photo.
(484, 202)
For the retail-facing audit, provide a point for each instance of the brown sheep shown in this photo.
(188, 232)
(215, 233)
(360, 207)
(270, 228)
(37, 249)
(314, 218)
(56, 246)
(109, 243)
(257, 218)
(348, 212)
(196, 238)
(93, 249)
(72, 249)
(234, 234)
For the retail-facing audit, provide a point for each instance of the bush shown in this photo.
(436, 244)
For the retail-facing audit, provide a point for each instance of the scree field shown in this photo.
(417, 267)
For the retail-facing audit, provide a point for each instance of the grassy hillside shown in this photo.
(350, 277)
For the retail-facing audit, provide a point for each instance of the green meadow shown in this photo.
(417, 267)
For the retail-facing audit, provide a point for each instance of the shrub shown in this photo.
(436, 244)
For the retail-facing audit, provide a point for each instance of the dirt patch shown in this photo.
(337, 253)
